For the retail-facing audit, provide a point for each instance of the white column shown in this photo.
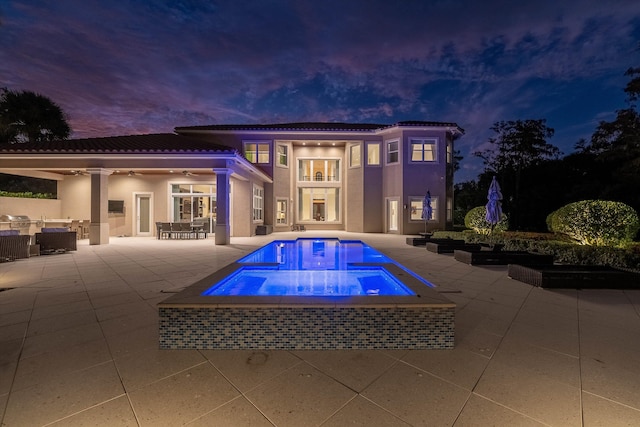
(222, 228)
(99, 228)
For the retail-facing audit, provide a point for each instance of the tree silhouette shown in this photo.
(26, 116)
(519, 145)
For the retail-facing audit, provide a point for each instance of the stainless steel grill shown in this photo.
(17, 222)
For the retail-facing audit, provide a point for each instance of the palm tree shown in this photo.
(26, 116)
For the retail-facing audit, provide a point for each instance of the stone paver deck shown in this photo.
(79, 346)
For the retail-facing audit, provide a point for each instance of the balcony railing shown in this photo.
(320, 178)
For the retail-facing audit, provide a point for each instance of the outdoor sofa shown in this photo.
(56, 240)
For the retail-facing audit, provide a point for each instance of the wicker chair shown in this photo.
(13, 245)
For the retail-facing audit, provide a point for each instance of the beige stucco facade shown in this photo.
(360, 178)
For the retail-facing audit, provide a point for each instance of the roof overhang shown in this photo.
(240, 167)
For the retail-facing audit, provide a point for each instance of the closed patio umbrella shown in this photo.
(494, 206)
(427, 210)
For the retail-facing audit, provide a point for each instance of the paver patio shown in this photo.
(79, 346)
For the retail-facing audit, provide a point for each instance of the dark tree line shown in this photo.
(536, 180)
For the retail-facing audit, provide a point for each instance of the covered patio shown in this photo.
(89, 173)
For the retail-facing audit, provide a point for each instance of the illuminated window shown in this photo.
(319, 204)
(449, 209)
(281, 212)
(191, 202)
(373, 153)
(283, 157)
(423, 150)
(318, 170)
(354, 156)
(258, 203)
(415, 204)
(257, 152)
(392, 152)
(449, 152)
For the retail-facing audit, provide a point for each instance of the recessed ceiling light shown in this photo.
(170, 171)
(318, 143)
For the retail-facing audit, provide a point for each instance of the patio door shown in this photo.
(143, 214)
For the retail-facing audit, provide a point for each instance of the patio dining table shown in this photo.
(179, 230)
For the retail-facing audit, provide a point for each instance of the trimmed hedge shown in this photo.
(596, 222)
(476, 220)
(27, 195)
(564, 252)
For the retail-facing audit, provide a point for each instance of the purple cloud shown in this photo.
(126, 67)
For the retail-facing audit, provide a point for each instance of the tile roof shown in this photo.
(314, 126)
(167, 143)
(171, 143)
(307, 126)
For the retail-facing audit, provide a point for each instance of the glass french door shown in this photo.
(143, 215)
(194, 202)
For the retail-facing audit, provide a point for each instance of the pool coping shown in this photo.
(425, 296)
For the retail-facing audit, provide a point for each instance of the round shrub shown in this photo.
(476, 220)
(597, 222)
(553, 218)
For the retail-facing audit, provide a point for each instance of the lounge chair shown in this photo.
(501, 257)
(423, 240)
(449, 247)
(575, 276)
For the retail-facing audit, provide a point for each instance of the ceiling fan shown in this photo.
(79, 172)
(187, 173)
(133, 173)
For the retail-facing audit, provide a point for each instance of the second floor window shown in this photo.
(257, 152)
(392, 152)
(423, 150)
(373, 153)
(318, 170)
(283, 158)
(354, 156)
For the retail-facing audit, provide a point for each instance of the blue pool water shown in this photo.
(315, 254)
(260, 281)
(312, 267)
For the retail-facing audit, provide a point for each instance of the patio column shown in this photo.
(222, 229)
(99, 228)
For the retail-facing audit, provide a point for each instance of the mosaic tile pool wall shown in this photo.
(306, 328)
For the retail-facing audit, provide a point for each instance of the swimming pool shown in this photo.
(312, 267)
(392, 308)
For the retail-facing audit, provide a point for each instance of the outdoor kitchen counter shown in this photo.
(37, 224)
(53, 222)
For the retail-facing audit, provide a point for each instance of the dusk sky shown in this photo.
(129, 67)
